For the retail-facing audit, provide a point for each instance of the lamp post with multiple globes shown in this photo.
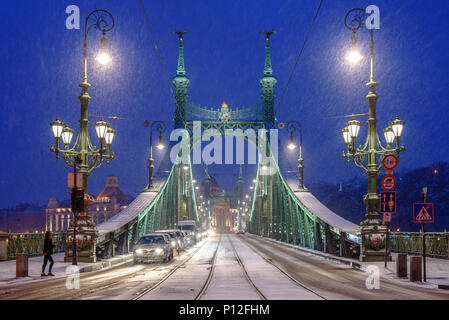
(369, 156)
(82, 153)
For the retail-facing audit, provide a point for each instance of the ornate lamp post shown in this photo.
(89, 156)
(160, 127)
(292, 127)
(369, 156)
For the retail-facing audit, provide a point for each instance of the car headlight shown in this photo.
(173, 243)
(139, 251)
(159, 250)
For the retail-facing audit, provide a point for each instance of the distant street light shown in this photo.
(292, 127)
(83, 152)
(367, 156)
(160, 127)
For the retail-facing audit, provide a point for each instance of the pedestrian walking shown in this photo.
(48, 251)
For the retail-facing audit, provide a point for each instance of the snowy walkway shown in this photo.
(8, 268)
(437, 269)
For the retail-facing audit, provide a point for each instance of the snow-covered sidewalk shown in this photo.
(8, 268)
(437, 269)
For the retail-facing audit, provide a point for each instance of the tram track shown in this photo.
(171, 272)
(245, 272)
(211, 273)
(298, 283)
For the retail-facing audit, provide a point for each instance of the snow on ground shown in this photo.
(437, 269)
(228, 281)
(187, 281)
(8, 268)
(270, 281)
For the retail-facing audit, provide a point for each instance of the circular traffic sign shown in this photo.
(388, 183)
(390, 162)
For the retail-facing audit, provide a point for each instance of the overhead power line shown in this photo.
(299, 55)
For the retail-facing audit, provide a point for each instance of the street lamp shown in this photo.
(369, 156)
(293, 126)
(160, 127)
(82, 151)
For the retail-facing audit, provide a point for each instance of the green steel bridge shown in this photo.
(279, 210)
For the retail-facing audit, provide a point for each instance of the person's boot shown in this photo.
(51, 274)
(43, 274)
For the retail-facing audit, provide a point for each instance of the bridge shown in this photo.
(289, 250)
(279, 210)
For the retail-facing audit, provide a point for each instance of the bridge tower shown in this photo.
(267, 83)
(181, 83)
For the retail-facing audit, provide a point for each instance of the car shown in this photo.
(153, 247)
(189, 226)
(173, 238)
(179, 237)
(187, 239)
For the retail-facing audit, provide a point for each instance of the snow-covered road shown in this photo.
(226, 267)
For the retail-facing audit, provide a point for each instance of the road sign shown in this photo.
(70, 180)
(423, 213)
(389, 172)
(387, 217)
(388, 183)
(388, 202)
(390, 162)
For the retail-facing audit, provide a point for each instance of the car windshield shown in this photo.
(152, 239)
(187, 227)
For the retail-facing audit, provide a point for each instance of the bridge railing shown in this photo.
(437, 243)
(32, 244)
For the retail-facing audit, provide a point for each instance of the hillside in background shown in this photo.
(346, 198)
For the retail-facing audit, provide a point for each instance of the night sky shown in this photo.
(224, 52)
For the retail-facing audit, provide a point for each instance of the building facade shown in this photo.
(110, 201)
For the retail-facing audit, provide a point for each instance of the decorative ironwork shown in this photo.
(32, 244)
(354, 19)
(250, 113)
(437, 243)
(101, 20)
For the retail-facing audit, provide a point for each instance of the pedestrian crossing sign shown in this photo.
(423, 213)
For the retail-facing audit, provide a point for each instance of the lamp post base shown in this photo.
(86, 234)
(373, 242)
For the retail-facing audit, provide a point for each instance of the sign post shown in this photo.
(423, 195)
(388, 197)
(76, 193)
(423, 213)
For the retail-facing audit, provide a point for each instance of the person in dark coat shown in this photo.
(48, 251)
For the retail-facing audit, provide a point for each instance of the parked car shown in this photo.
(153, 247)
(187, 241)
(173, 238)
(190, 227)
(179, 236)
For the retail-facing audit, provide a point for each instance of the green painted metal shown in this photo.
(32, 244)
(437, 243)
(276, 211)
(181, 83)
(163, 212)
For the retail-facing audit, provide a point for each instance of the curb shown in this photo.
(97, 266)
(100, 265)
(353, 264)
